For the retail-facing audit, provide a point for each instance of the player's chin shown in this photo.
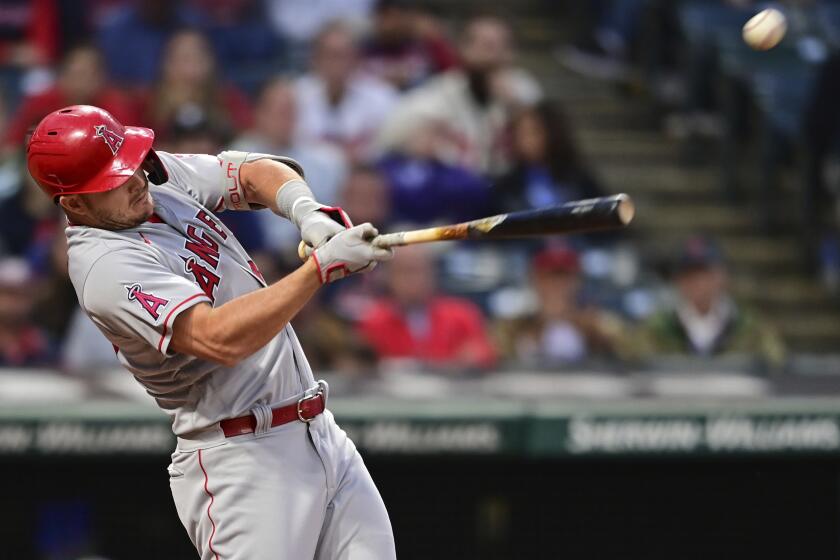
(145, 206)
(140, 212)
(147, 212)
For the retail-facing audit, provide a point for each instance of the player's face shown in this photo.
(127, 206)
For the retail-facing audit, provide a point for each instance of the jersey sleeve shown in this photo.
(214, 180)
(133, 296)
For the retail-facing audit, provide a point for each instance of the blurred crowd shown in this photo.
(404, 119)
(770, 119)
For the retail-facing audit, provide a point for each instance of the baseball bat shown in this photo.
(580, 216)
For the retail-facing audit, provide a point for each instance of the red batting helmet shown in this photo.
(84, 149)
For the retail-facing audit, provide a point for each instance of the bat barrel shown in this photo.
(581, 216)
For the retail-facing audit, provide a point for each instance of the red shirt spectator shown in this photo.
(451, 332)
(81, 80)
(419, 324)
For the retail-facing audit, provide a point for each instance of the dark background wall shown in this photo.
(462, 507)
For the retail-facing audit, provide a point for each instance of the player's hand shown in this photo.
(349, 252)
(318, 227)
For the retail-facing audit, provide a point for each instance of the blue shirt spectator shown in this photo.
(426, 190)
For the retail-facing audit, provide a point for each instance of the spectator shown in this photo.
(22, 344)
(547, 167)
(406, 47)
(300, 21)
(821, 132)
(703, 320)
(424, 189)
(27, 218)
(338, 103)
(81, 80)
(561, 329)
(274, 133)
(189, 89)
(192, 133)
(276, 118)
(246, 47)
(365, 197)
(28, 39)
(469, 107)
(330, 341)
(417, 323)
(29, 32)
(85, 350)
(56, 300)
(134, 36)
(613, 27)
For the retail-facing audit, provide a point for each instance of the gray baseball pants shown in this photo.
(295, 492)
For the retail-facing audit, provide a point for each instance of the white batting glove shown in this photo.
(317, 223)
(349, 252)
(321, 224)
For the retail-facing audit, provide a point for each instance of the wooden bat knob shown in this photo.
(304, 250)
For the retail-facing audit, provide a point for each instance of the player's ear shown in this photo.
(72, 204)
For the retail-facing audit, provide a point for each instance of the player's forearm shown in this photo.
(232, 332)
(262, 179)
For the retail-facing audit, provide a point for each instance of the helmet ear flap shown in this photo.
(155, 169)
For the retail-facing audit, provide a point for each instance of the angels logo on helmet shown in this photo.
(110, 137)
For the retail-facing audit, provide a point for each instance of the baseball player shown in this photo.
(261, 469)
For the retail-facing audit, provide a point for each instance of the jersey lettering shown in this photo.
(151, 303)
(204, 217)
(203, 246)
(206, 279)
(111, 138)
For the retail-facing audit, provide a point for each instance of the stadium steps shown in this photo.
(629, 152)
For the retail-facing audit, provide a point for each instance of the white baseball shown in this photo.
(765, 30)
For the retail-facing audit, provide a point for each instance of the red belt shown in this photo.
(305, 410)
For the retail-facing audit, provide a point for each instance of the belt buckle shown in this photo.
(317, 395)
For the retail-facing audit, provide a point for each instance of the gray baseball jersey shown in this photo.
(133, 283)
(299, 490)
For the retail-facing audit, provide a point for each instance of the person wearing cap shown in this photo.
(560, 330)
(704, 320)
